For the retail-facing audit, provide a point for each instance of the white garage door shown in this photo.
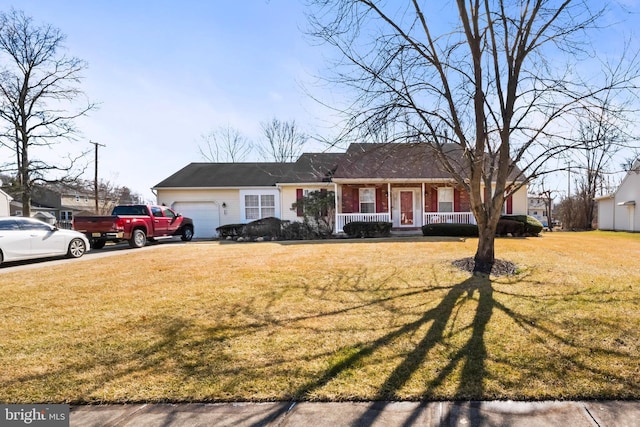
(204, 215)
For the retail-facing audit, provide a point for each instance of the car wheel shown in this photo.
(1, 257)
(187, 234)
(138, 239)
(77, 248)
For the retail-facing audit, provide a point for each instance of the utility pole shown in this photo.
(95, 179)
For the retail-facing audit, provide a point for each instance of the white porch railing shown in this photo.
(428, 218)
(449, 218)
(342, 219)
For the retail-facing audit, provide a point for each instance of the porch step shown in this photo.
(413, 231)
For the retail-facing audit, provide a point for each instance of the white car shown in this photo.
(27, 238)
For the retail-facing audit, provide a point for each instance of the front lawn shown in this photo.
(333, 320)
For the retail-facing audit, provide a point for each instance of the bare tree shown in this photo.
(37, 84)
(501, 85)
(284, 141)
(225, 144)
(603, 133)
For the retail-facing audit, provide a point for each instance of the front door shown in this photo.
(406, 207)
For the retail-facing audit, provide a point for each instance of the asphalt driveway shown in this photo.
(108, 250)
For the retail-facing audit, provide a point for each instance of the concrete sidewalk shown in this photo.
(288, 414)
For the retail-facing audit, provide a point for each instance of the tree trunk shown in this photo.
(25, 177)
(485, 254)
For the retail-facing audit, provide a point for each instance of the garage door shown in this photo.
(204, 215)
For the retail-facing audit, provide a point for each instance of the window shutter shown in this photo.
(379, 200)
(456, 200)
(356, 201)
(299, 206)
(434, 199)
(509, 205)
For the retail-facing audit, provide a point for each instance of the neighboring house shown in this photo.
(398, 183)
(538, 209)
(5, 203)
(57, 208)
(618, 211)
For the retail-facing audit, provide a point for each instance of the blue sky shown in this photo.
(167, 72)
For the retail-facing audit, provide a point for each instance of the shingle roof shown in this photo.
(314, 167)
(310, 167)
(394, 161)
(227, 175)
(361, 161)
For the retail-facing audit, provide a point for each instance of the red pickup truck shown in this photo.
(134, 223)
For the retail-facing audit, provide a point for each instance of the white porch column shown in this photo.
(422, 188)
(337, 209)
(389, 202)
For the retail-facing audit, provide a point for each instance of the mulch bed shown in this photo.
(500, 267)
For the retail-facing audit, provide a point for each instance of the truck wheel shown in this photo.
(97, 243)
(187, 234)
(138, 239)
(76, 248)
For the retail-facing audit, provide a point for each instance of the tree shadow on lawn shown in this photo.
(470, 359)
(467, 363)
(472, 355)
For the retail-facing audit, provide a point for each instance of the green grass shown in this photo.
(335, 320)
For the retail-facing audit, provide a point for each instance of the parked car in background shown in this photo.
(28, 238)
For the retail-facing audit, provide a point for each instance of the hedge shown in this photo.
(230, 230)
(446, 229)
(367, 229)
(532, 226)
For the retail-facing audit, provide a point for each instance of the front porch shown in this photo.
(427, 218)
(405, 205)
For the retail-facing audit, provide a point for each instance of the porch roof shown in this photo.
(390, 161)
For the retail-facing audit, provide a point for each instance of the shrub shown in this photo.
(265, 227)
(445, 229)
(318, 209)
(298, 231)
(230, 230)
(509, 226)
(532, 227)
(367, 229)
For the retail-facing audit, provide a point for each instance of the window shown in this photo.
(66, 215)
(252, 206)
(168, 213)
(34, 225)
(156, 211)
(268, 204)
(9, 224)
(445, 199)
(367, 200)
(258, 204)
